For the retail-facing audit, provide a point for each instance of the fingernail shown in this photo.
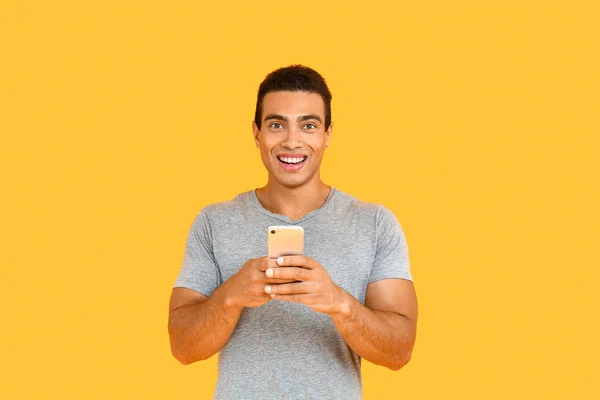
(270, 272)
(280, 260)
(272, 295)
(268, 288)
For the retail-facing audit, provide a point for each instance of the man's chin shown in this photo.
(293, 185)
(292, 182)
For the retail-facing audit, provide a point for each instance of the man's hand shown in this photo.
(247, 287)
(381, 331)
(310, 285)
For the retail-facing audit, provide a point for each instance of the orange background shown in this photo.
(475, 122)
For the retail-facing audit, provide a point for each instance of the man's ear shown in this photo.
(328, 133)
(256, 133)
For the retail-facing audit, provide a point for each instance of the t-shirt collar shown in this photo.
(254, 200)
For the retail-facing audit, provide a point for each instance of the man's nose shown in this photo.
(293, 138)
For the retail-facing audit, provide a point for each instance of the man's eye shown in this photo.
(276, 125)
(310, 126)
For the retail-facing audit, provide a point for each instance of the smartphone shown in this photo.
(285, 241)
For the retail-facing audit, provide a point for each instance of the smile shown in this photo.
(292, 160)
(291, 164)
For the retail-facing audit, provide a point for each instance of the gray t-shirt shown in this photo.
(284, 350)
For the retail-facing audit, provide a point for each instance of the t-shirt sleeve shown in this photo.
(199, 270)
(391, 257)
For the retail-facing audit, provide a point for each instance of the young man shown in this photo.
(295, 327)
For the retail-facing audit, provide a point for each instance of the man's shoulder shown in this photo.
(351, 203)
(240, 202)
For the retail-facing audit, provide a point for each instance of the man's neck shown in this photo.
(294, 203)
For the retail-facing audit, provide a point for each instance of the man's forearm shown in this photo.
(381, 337)
(198, 331)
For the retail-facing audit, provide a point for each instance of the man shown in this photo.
(296, 327)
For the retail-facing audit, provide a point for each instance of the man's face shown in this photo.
(292, 137)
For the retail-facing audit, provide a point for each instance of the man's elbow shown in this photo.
(184, 356)
(180, 356)
(400, 361)
(183, 361)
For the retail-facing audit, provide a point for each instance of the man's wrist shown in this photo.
(343, 305)
(229, 299)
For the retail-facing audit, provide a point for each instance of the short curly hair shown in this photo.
(295, 78)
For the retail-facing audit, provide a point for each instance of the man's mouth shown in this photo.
(292, 160)
(291, 164)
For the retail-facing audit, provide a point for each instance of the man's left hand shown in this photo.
(314, 287)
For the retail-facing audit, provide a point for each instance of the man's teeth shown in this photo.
(292, 160)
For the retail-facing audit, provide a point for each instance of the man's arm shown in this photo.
(199, 326)
(382, 332)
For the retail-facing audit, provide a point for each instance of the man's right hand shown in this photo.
(247, 287)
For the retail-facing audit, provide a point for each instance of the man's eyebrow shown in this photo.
(309, 116)
(275, 116)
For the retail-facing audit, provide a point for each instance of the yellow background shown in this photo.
(476, 122)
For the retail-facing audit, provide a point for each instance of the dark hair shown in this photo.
(295, 78)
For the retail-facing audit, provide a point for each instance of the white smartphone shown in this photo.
(285, 241)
